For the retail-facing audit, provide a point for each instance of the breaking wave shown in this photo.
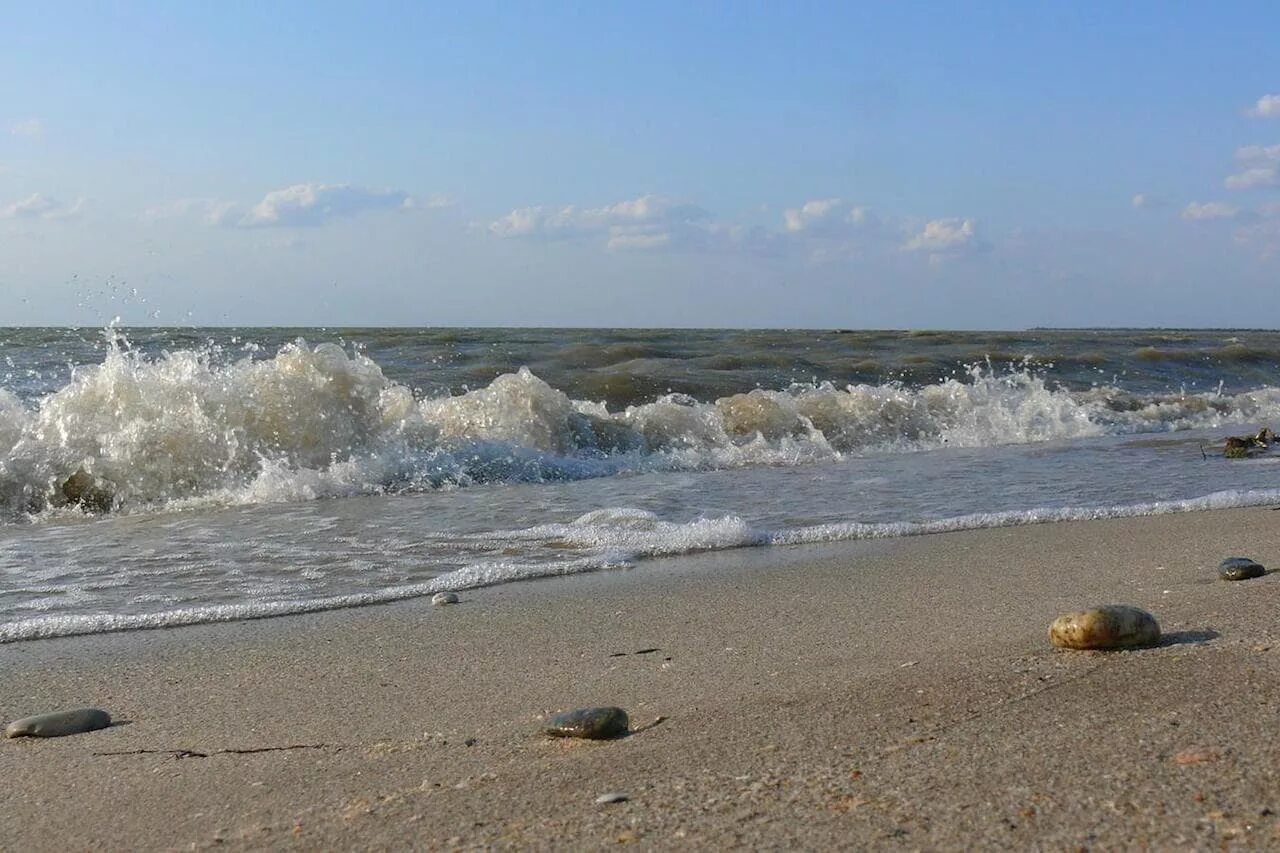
(184, 428)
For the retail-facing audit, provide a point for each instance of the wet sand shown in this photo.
(882, 695)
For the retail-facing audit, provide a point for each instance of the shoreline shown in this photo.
(833, 535)
(894, 693)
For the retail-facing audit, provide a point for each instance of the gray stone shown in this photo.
(59, 723)
(611, 797)
(440, 599)
(589, 723)
(1240, 569)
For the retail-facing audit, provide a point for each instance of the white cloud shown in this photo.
(1261, 167)
(798, 218)
(296, 206)
(32, 128)
(1252, 178)
(38, 206)
(1268, 106)
(824, 230)
(1144, 201)
(315, 204)
(828, 217)
(1199, 212)
(647, 222)
(944, 237)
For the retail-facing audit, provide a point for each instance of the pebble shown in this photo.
(59, 723)
(1113, 626)
(1240, 569)
(589, 723)
(440, 599)
(611, 797)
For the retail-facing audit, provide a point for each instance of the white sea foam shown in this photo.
(472, 577)
(610, 538)
(312, 422)
(634, 534)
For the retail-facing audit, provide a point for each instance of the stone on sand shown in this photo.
(1112, 626)
(59, 723)
(440, 599)
(589, 723)
(1240, 569)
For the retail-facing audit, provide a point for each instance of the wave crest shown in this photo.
(317, 421)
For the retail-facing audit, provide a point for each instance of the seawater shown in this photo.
(153, 477)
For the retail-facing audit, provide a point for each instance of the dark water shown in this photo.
(624, 367)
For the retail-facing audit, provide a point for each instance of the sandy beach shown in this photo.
(877, 695)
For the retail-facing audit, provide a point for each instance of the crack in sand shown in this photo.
(193, 753)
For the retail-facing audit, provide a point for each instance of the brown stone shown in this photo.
(1113, 626)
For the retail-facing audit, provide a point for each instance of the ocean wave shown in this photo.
(185, 428)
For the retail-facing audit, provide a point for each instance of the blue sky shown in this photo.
(850, 165)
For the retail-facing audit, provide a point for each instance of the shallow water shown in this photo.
(255, 472)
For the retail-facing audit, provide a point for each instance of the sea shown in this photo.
(154, 477)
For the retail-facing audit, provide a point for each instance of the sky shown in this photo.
(844, 165)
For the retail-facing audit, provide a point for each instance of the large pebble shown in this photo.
(590, 723)
(441, 599)
(1113, 626)
(59, 723)
(1240, 569)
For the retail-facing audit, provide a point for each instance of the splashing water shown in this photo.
(174, 476)
(187, 428)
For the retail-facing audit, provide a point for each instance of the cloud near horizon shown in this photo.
(306, 205)
(297, 206)
(39, 206)
(942, 237)
(821, 229)
(829, 217)
(647, 222)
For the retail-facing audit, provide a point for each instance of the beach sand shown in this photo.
(895, 694)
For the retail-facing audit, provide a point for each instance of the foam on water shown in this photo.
(472, 577)
(187, 428)
(610, 538)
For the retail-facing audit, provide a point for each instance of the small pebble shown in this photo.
(1196, 755)
(59, 723)
(611, 797)
(589, 723)
(1113, 626)
(1240, 569)
(440, 599)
